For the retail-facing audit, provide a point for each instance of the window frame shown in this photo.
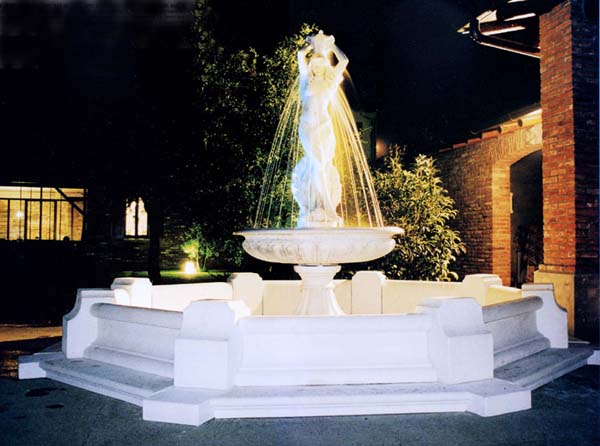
(22, 205)
(136, 219)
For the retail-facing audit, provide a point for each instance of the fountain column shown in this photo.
(317, 290)
(316, 183)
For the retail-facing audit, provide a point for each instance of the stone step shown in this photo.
(117, 382)
(196, 406)
(540, 368)
(509, 391)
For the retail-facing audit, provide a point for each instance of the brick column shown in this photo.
(569, 93)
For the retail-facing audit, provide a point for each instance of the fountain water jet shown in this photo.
(338, 219)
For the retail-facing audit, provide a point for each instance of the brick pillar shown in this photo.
(569, 84)
(501, 210)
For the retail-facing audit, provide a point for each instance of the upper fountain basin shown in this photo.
(319, 246)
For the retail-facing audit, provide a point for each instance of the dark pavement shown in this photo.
(565, 412)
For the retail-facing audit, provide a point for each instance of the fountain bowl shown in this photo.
(320, 246)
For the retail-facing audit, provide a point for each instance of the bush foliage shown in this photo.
(240, 96)
(197, 247)
(415, 200)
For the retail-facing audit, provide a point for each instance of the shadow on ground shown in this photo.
(10, 352)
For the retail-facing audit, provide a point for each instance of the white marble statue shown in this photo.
(315, 181)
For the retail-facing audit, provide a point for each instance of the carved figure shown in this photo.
(315, 181)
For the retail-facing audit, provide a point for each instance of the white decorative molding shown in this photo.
(551, 318)
(513, 326)
(533, 135)
(137, 338)
(138, 289)
(460, 346)
(313, 246)
(178, 296)
(206, 355)
(248, 287)
(319, 350)
(476, 285)
(80, 327)
(367, 292)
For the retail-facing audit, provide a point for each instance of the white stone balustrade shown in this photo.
(131, 337)
(135, 338)
(213, 358)
(217, 344)
(141, 292)
(447, 342)
(403, 296)
(178, 297)
(80, 328)
(220, 346)
(138, 289)
(496, 294)
(334, 350)
(477, 285)
(249, 288)
(551, 319)
(460, 346)
(206, 352)
(514, 328)
(369, 292)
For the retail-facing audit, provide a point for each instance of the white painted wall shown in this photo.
(178, 297)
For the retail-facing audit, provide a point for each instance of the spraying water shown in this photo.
(317, 175)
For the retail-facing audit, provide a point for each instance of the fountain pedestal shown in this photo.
(317, 254)
(317, 290)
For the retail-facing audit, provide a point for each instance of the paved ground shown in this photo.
(565, 412)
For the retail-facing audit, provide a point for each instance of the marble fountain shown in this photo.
(317, 346)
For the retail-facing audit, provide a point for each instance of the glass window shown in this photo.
(136, 219)
(16, 220)
(41, 213)
(4, 213)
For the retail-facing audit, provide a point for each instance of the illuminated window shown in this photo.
(41, 213)
(136, 219)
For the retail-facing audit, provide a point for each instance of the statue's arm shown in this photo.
(342, 60)
(302, 64)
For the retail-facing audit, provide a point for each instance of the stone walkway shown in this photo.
(565, 412)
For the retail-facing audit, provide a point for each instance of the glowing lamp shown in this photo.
(189, 268)
(20, 214)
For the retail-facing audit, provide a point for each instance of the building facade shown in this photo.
(480, 172)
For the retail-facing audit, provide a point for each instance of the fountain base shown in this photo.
(210, 359)
(317, 290)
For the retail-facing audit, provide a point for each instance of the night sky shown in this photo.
(430, 85)
(85, 81)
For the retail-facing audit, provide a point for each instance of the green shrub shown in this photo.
(197, 247)
(415, 200)
(241, 94)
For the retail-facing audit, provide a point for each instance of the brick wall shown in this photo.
(466, 173)
(171, 255)
(477, 176)
(569, 92)
(558, 162)
(585, 100)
